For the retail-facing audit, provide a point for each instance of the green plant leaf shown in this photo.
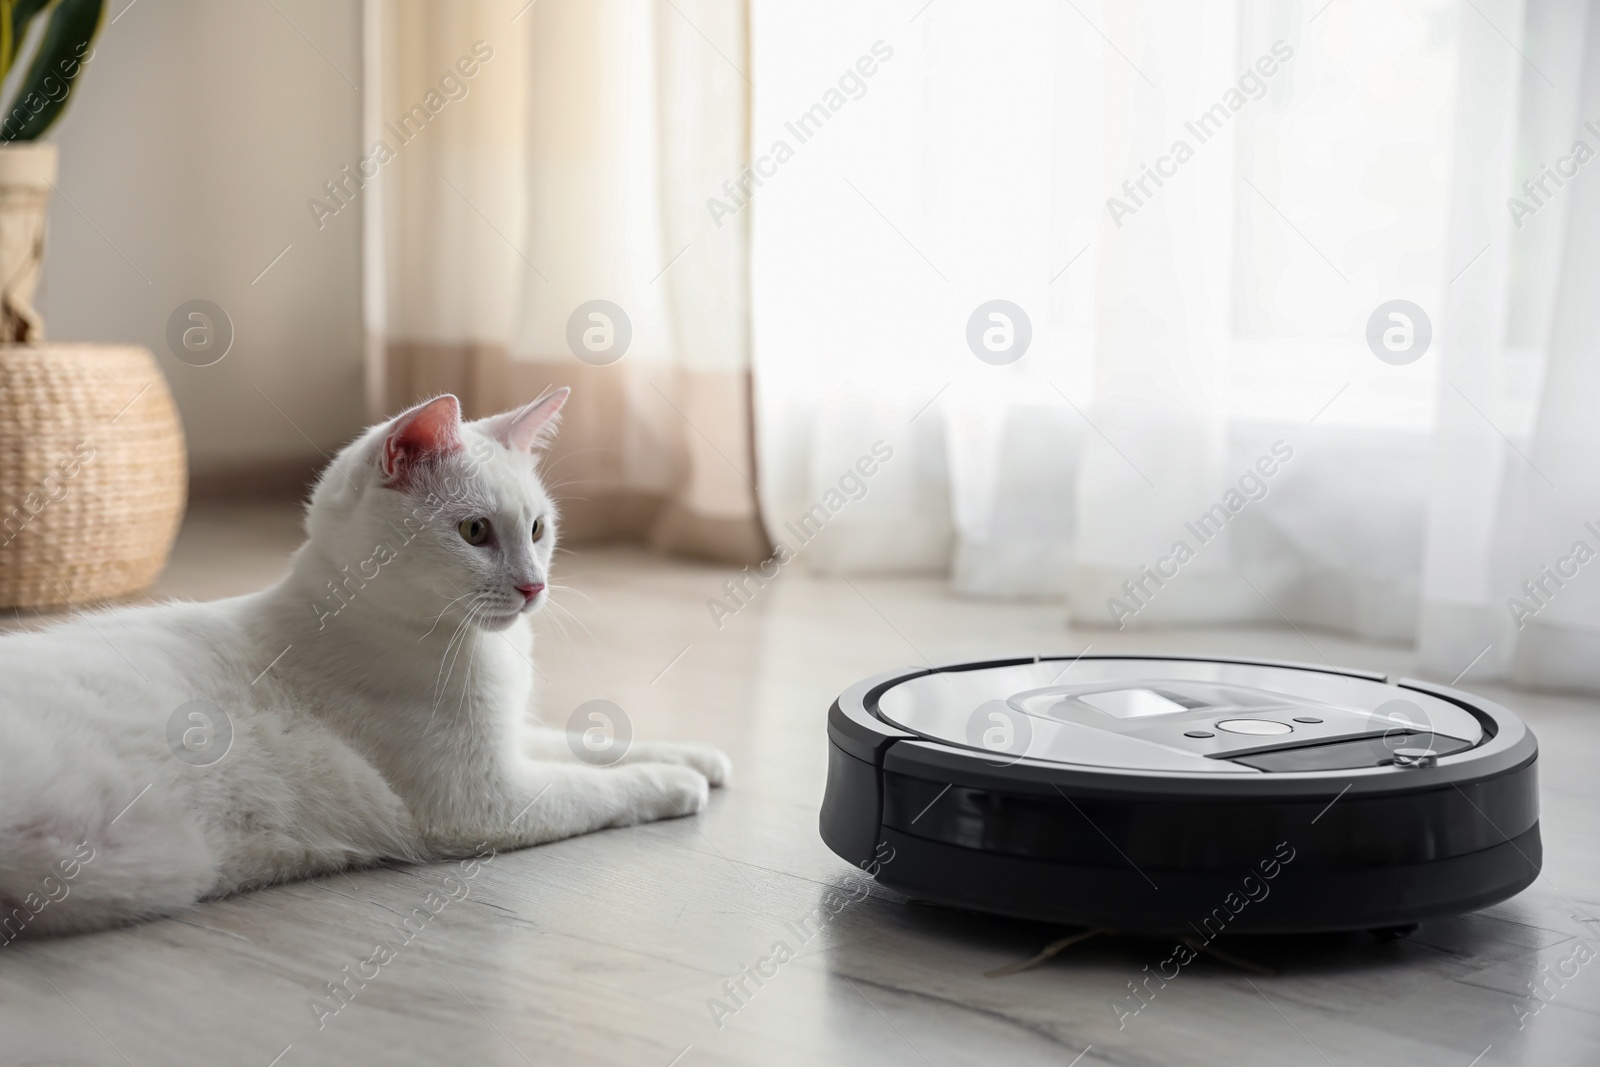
(14, 18)
(7, 52)
(44, 93)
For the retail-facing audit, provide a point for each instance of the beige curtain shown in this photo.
(529, 160)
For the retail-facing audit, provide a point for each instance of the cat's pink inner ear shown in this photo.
(427, 431)
(530, 427)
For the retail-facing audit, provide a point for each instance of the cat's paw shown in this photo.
(707, 759)
(668, 791)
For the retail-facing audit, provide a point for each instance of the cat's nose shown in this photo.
(530, 590)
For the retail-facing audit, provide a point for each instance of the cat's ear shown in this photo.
(530, 427)
(428, 431)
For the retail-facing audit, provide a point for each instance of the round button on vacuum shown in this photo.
(1198, 733)
(1254, 726)
(1306, 718)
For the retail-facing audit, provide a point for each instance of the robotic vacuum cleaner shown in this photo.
(1171, 795)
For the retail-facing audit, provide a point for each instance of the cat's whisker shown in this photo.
(564, 609)
(559, 460)
(466, 679)
(559, 621)
(441, 614)
(572, 481)
(566, 483)
(568, 613)
(464, 632)
(452, 652)
(447, 668)
(598, 606)
(451, 599)
(574, 592)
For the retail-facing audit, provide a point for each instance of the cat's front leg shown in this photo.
(549, 801)
(707, 759)
(551, 744)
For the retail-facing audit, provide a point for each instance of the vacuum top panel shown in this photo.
(1188, 716)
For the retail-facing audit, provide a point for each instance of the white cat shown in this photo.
(372, 705)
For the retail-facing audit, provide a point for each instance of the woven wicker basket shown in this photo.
(92, 473)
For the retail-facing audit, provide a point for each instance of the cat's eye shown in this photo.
(474, 531)
(538, 528)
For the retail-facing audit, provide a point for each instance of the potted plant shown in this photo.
(92, 466)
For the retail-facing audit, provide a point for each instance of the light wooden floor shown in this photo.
(605, 949)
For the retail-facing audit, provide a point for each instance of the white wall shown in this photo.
(190, 147)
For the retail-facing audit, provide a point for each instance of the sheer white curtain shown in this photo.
(1199, 372)
(539, 159)
(1516, 493)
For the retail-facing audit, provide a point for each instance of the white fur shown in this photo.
(397, 728)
